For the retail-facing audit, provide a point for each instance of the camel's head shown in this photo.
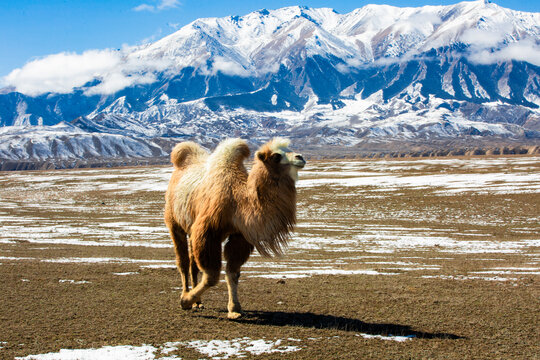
(277, 156)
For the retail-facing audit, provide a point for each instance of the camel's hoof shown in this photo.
(198, 306)
(234, 315)
(186, 305)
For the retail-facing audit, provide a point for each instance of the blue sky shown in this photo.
(31, 29)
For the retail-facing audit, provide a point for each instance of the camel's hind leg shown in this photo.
(237, 251)
(206, 251)
(179, 239)
(195, 279)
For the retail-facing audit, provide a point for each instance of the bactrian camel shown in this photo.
(212, 199)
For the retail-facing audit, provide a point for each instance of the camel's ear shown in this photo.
(261, 156)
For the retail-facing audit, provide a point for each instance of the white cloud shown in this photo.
(150, 39)
(60, 73)
(498, 44)
(174, 26)
(118, 81)
(418, 23)
(144, 7)
(63, 73)
(350, 63)
(168, 4)
(223, 65)
(524, 50)
(162, 5)
(482, 38)
(228, 67)
(111, 70)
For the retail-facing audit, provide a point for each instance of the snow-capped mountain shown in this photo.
(377, 74)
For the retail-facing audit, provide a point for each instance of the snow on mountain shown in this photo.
(63, 140)
(377, 74)
(251, 43)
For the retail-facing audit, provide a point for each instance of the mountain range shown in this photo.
(378, 76)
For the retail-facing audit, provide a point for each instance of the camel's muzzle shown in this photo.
(299, 161)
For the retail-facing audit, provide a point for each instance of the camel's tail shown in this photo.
(187, 153)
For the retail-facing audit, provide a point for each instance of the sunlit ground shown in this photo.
(410, 225)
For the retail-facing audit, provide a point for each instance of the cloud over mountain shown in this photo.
(62, 73)
(161, 5)
(527, 50)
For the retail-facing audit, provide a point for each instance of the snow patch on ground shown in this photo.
(144, 352)
(215, 349)
(455, 183)
(224, 349)
(464, 277)
(506, 272)
(310, 272)
(101, 260)
(126, 273)
(397, 243)
(387, 338)
(68, 281)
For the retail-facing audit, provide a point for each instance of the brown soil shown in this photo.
(450, 319)
(466, 318)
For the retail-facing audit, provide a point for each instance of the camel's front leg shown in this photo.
(193, 298)
(237, 251)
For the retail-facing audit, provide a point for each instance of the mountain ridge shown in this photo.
(378, 74)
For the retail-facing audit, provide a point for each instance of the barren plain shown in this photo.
(430, 258)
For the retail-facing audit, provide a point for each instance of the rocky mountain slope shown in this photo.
(374, 77)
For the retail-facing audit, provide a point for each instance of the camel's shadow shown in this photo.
(317, 321)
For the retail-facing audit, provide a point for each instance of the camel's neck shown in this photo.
(267, 191)
(267, 212)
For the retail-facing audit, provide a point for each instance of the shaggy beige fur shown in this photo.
(212, 198)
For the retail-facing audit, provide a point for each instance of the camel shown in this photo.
(211, 199)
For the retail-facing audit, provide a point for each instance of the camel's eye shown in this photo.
(276, 157)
